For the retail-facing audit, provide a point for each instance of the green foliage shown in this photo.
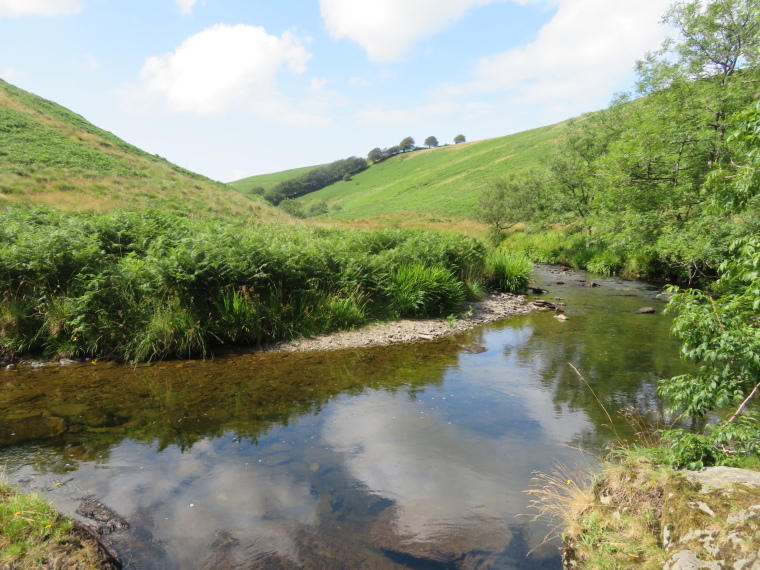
(316, 179)
(604, 263)
(431, 142)
(406, 144)
(508, 201)
(721, 333)
(509, 271)
(143, 285)
(417, 290)
(641, 178)
(459, 139)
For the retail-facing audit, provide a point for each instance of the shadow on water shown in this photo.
(411, 456)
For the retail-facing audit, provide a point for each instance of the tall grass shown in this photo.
(143, 285)
(34, 535)
(509, 271)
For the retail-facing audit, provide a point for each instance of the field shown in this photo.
(434, 183)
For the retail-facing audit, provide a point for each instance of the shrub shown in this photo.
(509, 271)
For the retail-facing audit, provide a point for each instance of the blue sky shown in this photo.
(232, 88)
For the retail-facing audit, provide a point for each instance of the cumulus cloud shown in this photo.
(223, 68)
(14, 8)
(588, 47)
(580, 57)
(388, 28)
(186, 6)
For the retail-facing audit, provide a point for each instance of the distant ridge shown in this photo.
(443, 181)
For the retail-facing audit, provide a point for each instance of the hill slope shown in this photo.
(50, 155)
(267, 181)
(442, 181)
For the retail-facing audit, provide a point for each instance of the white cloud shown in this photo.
(585, 50)
(10, 73)
(186, 6)
(86, 62)
(223, 68)
(579, 59)
(15, 8)
(388, 28)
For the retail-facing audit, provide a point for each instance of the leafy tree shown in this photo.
(407, 144)
(376, 155)
(573, 168)
(459, 139)
(394, 150)
(508, 201)
(316, 179)
(316, 209)
(431, 141)
(292, 207)
(721, 332)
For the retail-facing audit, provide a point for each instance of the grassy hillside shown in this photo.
(50, 155)
(266, 181)
(441, 181)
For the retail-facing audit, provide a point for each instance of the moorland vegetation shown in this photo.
(135, 286)
(51, 155)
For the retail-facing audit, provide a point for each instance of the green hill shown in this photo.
(266, 181)
(443, 181)
(50, 155)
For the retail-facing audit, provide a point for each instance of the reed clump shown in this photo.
(139, 285)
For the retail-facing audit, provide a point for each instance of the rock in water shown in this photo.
(644, 311)
(474, 541)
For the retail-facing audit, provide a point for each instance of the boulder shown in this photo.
(644, 311)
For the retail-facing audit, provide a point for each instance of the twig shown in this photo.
(715, 310)
(744, 403)
(612, 425)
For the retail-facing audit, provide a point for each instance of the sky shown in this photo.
(233, 88)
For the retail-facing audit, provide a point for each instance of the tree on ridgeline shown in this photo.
(316, 179)
(406, 144)
(431, 142)
(376, 155)
(459, 139)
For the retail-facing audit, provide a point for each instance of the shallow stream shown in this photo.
(406, 456)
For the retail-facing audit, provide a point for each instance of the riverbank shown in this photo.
(493, 307)
(638, 514)
(34, 535)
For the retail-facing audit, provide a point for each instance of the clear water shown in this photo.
(409, 456)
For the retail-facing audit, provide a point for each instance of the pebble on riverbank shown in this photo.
(492, 308)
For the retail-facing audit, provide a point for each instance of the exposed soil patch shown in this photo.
(492, 308)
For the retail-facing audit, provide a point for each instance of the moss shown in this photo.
(641, 513)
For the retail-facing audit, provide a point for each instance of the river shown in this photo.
(405, 456)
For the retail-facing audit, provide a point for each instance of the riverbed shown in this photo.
(415, 455)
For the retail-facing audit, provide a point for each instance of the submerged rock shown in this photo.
(474, 541)
(107, 521)
(644, 311)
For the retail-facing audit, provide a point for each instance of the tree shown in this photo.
(431, 141)
(459, 139)
(407, 144)
(376, 155)
(652, 193)
(508, 201)
(292, 207)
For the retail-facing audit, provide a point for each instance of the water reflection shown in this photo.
(409, 456)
